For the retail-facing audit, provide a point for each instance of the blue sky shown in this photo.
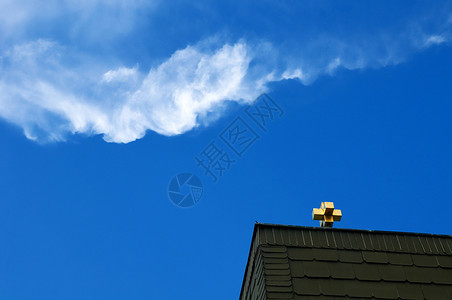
(103, 102)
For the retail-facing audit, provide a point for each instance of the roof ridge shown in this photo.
(353, 230)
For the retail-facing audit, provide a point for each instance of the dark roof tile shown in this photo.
(442, 276)
(341, 271)
(442, 246)
(278, 236)
(438, 246)
(267, 236)
(276, 272)
(400, 259)
(429, 245)
(282, 296)
(276, 266)
(306, 286)
(297, 269)
(350, 256)
(276, 260)
(278, 282)
(448, 246)
(378, 243)
(392, 273)
(419, 275)
(334, 243)
(300, 253)
(274, 254)
(353, 242)
(367, 272)
(315, 237)
(424, 260)
(331, 287)
(293, 241)
(345, 240)
(444, 261)
(358, 289)
(280, 249)
(322, 297)
(285, 237)
(326, 254)
(316, 269)
(306, 238)
(391, 242)
(404, 247)
(278, 277)
(410, 291)
(381, 242)
(324, 242)
(384, 291)
(359, 240)
(375, 257)
(437, 292)
(279, 289)
(368, 243)
(418, 247)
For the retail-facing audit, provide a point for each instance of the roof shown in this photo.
(296, 262)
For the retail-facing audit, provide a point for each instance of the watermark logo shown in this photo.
(185, 190)
(214, 161)
(238, 137)
(264, 111)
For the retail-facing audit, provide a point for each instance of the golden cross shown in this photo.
(326, 214)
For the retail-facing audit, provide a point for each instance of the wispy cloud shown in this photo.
(121, 74)
(38, 94)
(52, 90)
(435, 40)
(182, 89)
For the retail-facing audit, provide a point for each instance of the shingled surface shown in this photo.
(294, 262)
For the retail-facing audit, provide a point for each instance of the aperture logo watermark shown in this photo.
(222, 153)
(185, 190)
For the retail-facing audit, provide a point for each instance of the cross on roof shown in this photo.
(326, 214)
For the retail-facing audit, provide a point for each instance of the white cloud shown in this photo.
(122, 74)
(51, 90)
(50, 100)
(292, 74)
(435, 40)
(333, 65)
(170, 100)
(189, 84)
(174, 95)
